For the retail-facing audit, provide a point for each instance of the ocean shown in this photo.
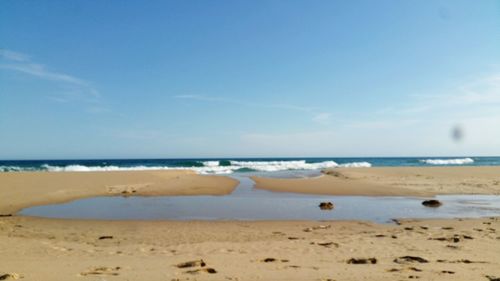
(238, 165)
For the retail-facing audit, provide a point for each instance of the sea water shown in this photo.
(239, 165)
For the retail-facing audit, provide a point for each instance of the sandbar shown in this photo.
(392, 181)
(23, 189)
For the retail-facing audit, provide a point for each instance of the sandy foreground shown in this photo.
(392, 181)
(55, 249)
(48, 249)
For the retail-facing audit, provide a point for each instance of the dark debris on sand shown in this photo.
(187, 264)
(362, 261)
(408, 259)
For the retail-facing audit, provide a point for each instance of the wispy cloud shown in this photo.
(13, 56)
(437, 112)
(383, 124)
(319, 117)
(79, 88)
(485, 90)
(323, 117)
(244, 103)
(476, 94)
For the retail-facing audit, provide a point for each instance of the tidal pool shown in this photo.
(247, 203)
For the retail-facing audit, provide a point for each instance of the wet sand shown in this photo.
(392, 181)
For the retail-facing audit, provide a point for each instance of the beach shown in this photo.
(35, 248)
(249, 140)
(392, 181)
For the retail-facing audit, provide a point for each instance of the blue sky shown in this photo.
(119, 79)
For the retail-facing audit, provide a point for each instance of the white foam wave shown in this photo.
(81, 168)
(356, 165)
(458, 161)
(210, 163)
(209, 167)
(273, 166)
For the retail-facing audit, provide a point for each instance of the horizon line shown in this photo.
(253, 157)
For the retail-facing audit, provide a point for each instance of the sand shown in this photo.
(49, 249)
(393, 181)
(23, 189)
(54, 249)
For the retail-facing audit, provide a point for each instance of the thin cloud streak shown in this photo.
(81, 89)
(243, 103)
(476, 93)
(320, 117)
(13, 56)
(40, 71)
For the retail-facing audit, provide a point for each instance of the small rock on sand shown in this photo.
(199, 263)
(409, 259)
(326, 205)
(362, 261)
(432, 203)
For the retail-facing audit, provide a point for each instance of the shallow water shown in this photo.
(247, 203)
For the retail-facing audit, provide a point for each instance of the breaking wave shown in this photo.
(356, 165)
(458, 161)
(205, 167)
(17, 169)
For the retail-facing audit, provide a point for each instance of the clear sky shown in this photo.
(154, 79)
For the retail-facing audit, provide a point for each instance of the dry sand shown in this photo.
(23, 189)
(404, 181)
(53, 249)
(49, 249)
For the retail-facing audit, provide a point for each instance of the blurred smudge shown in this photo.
(457, 133)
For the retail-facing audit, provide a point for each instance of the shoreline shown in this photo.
(26, 189)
